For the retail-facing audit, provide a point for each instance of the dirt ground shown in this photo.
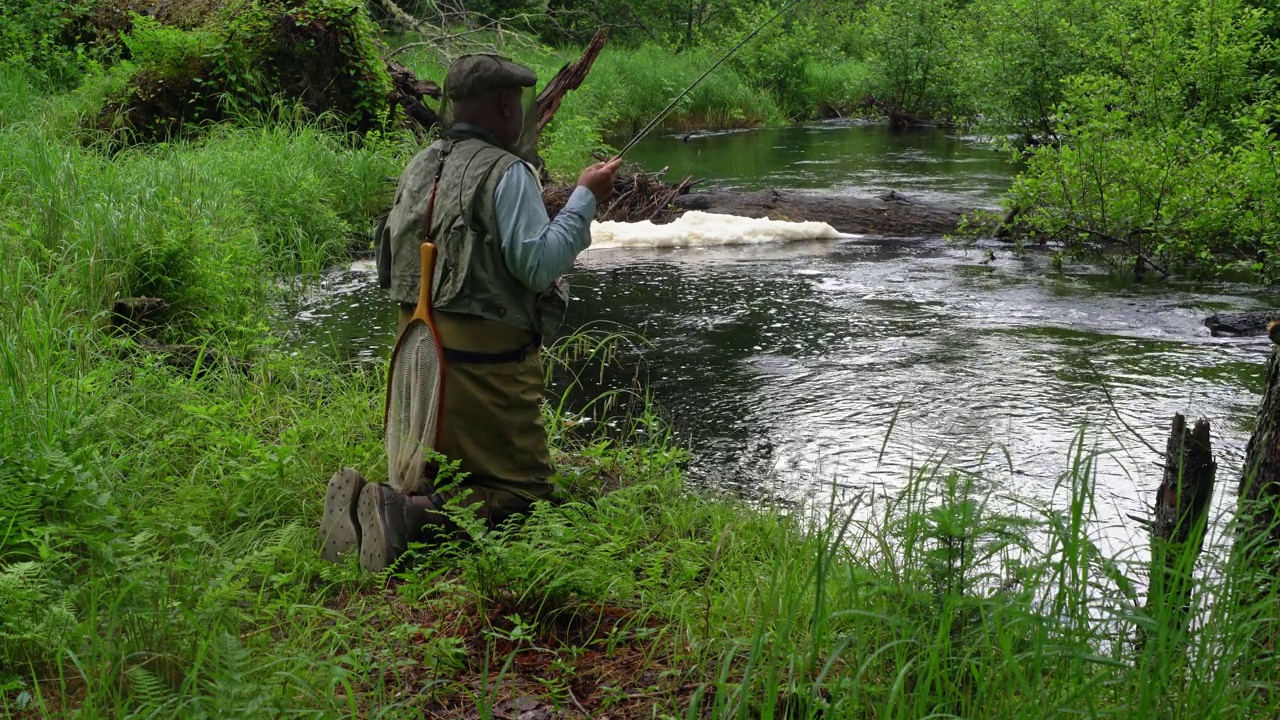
(578, 661)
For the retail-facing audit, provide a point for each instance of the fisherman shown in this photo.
(497, 294)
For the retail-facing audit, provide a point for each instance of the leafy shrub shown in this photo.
(163, 49)
(912, 47)
(246, 60)
(839, 89)
(1022, 52)
(40, 35)
(1165, 158)
(777, 60)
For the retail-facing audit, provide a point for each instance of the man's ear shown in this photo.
(515, 102)
(503, 103)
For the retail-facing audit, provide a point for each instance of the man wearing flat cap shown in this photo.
(496, 295)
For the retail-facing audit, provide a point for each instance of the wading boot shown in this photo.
(388, 522)
(339, 528)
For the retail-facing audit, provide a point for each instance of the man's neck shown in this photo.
(462, 130)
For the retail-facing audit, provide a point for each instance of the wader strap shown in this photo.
(468, 357)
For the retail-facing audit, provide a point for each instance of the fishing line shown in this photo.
(663, 113)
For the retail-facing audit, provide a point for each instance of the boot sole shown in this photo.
(340, 527)
(375, 552)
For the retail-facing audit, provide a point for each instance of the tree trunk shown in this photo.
(408, 91)
(569, 78)
(1258, 538)
(1181, 518)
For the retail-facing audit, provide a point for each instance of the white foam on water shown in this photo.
(702, 229)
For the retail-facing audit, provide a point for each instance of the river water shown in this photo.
(794, 370)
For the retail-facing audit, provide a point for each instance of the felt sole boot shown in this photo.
(339, 527)
(381, 516)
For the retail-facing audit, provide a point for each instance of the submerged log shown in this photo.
(1181, 518)
(890, 215)
(1248, 323)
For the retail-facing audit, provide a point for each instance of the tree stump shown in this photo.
(1181, 519)
(1258, 512)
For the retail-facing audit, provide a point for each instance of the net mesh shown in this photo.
(413, 406)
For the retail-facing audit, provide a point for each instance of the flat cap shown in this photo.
(474, 74)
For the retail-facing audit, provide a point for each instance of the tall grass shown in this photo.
(191, 223)
(840, 89)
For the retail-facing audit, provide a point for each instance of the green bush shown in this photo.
(165, 50)
(777, 61)
(912, 47)
(247, 60)
(840, 89)
(41, 36)
(1022, 51)
(1164, 155)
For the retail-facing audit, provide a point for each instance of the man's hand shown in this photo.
(599, 178)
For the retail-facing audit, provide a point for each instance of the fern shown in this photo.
(36, 620)
(147, 690)
(230, 688)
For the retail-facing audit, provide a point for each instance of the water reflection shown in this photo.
(838, 157)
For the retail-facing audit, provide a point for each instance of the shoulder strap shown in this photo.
(435, 185)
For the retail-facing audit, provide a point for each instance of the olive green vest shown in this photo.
(471, 275)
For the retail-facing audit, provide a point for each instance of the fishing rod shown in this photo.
(663, 113)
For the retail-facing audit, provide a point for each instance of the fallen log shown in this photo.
(131, 312)
(1181, 513)
(408, 92)
(1239, 324)
(196, 360)
(891, 215)
(129, 318)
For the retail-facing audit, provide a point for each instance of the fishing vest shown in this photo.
(471, 276)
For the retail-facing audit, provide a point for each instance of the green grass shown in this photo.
(840, 89)
(157, 526)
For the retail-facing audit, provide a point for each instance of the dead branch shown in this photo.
(636, 197)
(569, 77)
(1124, 243)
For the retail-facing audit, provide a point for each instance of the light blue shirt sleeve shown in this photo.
(537, 249)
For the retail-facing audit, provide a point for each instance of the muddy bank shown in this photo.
(890, 214)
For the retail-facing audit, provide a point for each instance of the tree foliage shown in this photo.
(1166, 152)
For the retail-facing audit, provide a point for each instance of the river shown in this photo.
(792, 370)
